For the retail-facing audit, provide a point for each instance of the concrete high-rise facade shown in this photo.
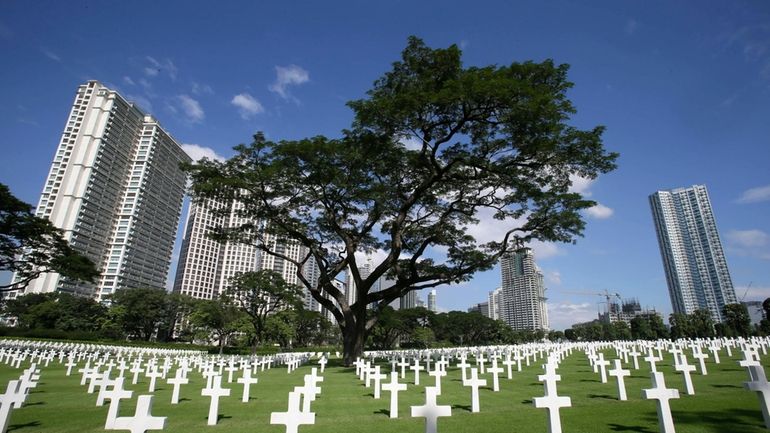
(115, 189)
(206, 266)
(693, 259)
(432, 301)
(522, 302)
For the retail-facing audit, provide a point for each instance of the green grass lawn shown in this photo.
(720, 404)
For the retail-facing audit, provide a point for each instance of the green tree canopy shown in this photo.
(30, 246)
(259, 295)
(139, 312)
(432, 146)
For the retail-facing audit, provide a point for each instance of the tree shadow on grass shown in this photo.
(14, 427)
(735, 420)
(634, 428)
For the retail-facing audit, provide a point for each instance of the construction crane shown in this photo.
(746, 292)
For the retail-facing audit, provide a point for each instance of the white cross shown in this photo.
(474, 382)
(104, 384)
(495, 370)
(762, 388)
(552, 401)
(662, 394)
(635, 355)
(430, 410)
(464, 366)
(322, 362)
(116, 394)
(686, 369)
(394, 387)
(177, 382)
(749, 360)
(619, 373)
(403, 364)
(215, 392)
(142, 419)
(602, 364)
(70, 363)
(246, 380)
(416, 368)
(701, 357)
(136, 369)
(438, 373)
(652, 360)
(480, 361)
(293, 417)
(12, 398)
(153, 374)
(377, 377)
(508, 365)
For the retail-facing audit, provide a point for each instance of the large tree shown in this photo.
(433, 147)
(30, 246)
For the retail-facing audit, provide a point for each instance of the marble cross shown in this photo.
(430, 410)
(215, 391)
(474, 382)
(662, 394)
(142, 419)
(293, 417)
(619, 373)
(394, 387)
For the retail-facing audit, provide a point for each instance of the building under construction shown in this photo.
(624, 311)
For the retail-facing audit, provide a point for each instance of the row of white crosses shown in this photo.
(16, 393)
(299, 414)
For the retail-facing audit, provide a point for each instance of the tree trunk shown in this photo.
(353, 338)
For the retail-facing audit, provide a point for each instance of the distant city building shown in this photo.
(206, 266)
(522, 299)
(115, 189)
(481, 308)
(432, 301)
(409, 300)
(623, 312)
(693, 259)
(494, 299)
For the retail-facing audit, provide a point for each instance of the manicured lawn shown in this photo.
(60, 404)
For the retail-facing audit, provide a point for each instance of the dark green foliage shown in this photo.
(737, 320)
(30, 246)
(491, 139)
(60, 311)
(218, 319)
(138, 312)
(258, 295)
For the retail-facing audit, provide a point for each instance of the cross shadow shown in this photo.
(589, 380)
(184, 399)
(530, 401)
(220, 417)
(464, 407)
(37, 403)
(606, 396)
(13, 427)
(37, 391)
(726, 386)
(368, 395)
(634, 428)
(382, 411)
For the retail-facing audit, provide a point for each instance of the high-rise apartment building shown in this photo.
(522, 298)
(494, 299)
(206, 266)
(693, 259)
(115, 189)
(432, 301)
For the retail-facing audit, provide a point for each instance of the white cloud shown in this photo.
(553, 277)
(748, 238)
(412, 143)
(191, 108)
(545, 250)
(247, 105)
(155, 67)
(581, 185)
(196, 152)
(129, 81)
(291, 75)
(564, 314)
(755, 195)
(200, 89)
(51, 55)
(600, 211)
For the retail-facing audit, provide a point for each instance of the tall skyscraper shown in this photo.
(695, 265)
(206, 266)
(432, 301)
(522, 300)
(115, 189)
(493, 303)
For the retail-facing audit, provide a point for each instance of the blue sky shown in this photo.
(683, 90)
